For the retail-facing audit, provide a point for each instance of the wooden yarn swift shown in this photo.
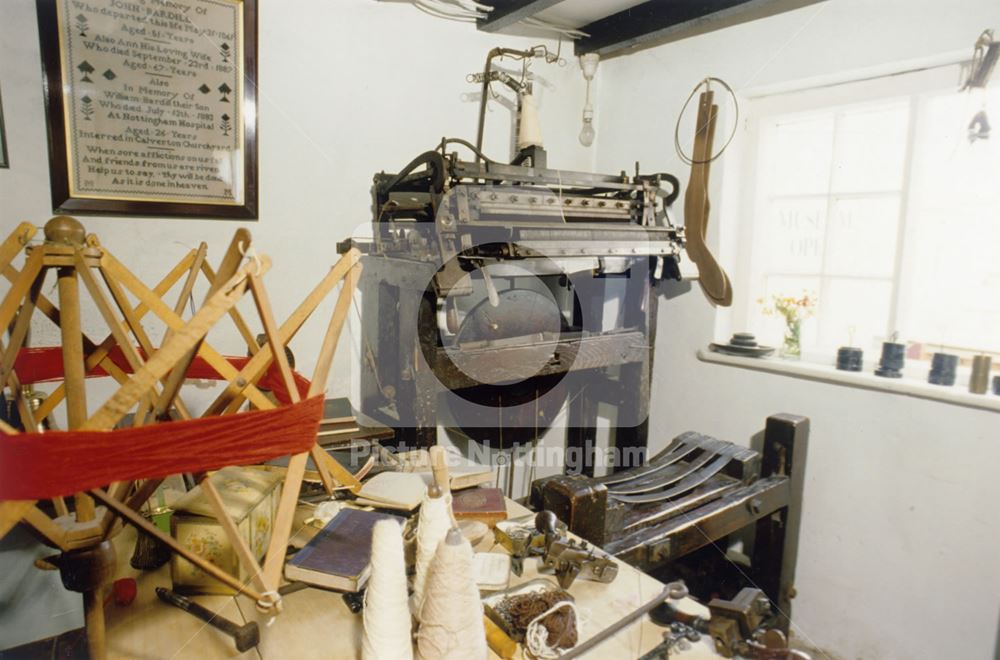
(150, 379)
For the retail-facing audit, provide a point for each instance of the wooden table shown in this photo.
(317, 624)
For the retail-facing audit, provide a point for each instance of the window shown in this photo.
(870, 198)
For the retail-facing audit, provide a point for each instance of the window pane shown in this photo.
(792, 240)
(870, 148)
(861, 236)
(800, 155)
(954, 223)
(854, 311)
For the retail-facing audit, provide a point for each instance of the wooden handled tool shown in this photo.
(246, 636)
(498, 641)
(439, 466)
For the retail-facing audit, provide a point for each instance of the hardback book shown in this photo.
(484, 504)
(338, 556)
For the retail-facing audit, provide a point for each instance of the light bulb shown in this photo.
(587, 133)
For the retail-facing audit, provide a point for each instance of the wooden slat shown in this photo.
(241, 324)
(98, 353)
(46, 527)
(243, 552)
(149, 528)
(15, 242)
(273, 336)
(11, 513)
(231, 398)
(21, 327)
(19, 288)
(160, 309)
(143, 493)
(282, 528)
(329, 346)
(104, 307)
(187, 336)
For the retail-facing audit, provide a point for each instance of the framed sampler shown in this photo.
(151, 106)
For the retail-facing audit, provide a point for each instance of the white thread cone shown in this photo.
(451, 618)
(432, 527)
(386, 612)
(530, 130)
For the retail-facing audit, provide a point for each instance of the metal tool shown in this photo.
(680, 636)
(246, 636)
(355, 601)
(744, 627)
(570, 559)
(674, 590)
(567, 558)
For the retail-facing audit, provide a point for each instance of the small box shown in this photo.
(251, 497)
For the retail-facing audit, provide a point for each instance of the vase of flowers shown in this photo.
(794, 311)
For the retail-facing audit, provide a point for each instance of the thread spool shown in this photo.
(530, 131)
(979, 381)
(386, 613)
(451, 617)
(893, 359)
(432, 527)
(850, 358)
(943, 369)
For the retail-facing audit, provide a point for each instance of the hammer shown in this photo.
(246, 637)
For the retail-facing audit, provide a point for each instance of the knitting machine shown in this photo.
(506, 290)
(695, 494)
(496, 296)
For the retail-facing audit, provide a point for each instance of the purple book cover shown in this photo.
(344, 546)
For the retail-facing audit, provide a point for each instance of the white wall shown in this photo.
(899, 539)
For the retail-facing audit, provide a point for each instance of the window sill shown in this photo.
(954, 395)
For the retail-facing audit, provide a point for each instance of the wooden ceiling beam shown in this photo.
(507, 12)
(656, 22)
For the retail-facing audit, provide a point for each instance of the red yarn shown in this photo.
(43, 365)
(37, 466)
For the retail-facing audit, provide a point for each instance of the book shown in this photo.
(483, 504)
(337, 410)
(338, 418)
(338, 556)
(393, 490)
(461, 477)
(462, 473)
(492, 570)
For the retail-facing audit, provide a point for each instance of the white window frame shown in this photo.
(740, 226)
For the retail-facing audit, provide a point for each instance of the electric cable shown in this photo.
(468, 145)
